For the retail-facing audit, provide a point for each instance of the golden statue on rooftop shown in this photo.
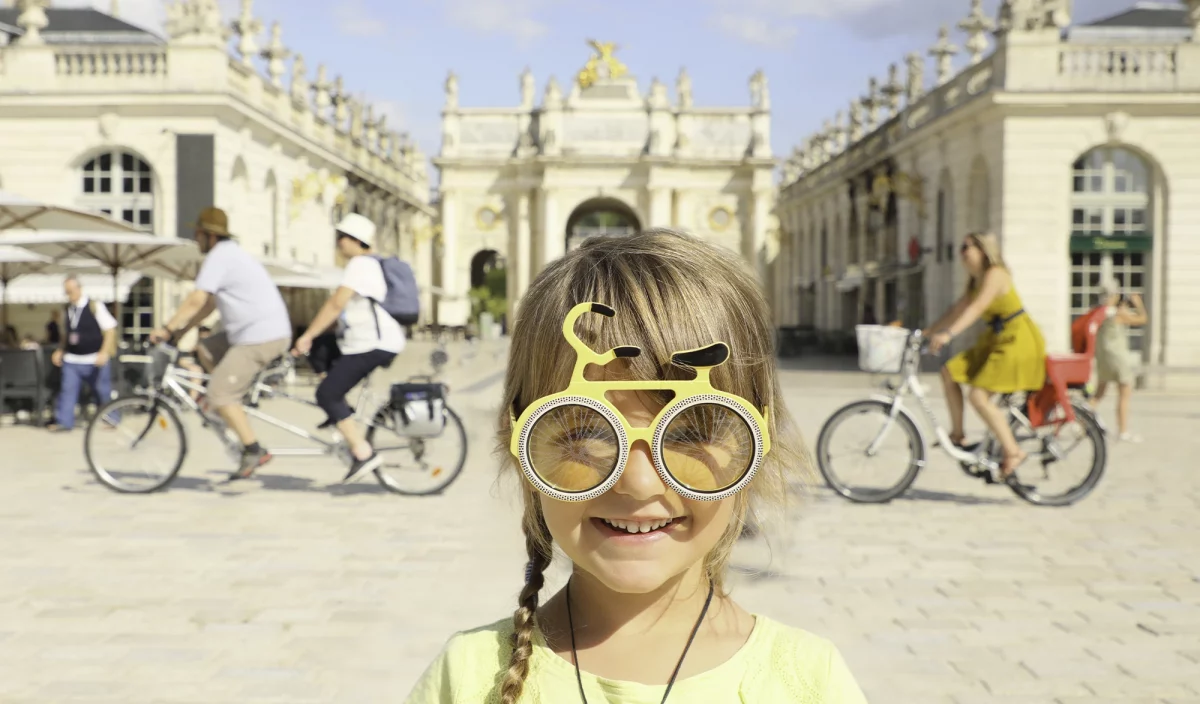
(602, 66)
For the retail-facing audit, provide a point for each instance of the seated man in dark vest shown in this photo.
(83, 354)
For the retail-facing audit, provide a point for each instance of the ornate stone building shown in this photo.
(1076, 144)
(523, 184)
(99, 113)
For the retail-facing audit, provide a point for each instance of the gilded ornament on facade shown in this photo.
(312, 187)
(602, 66)
(486, 217)
(720, 218)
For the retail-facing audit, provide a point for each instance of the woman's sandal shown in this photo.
(960, 443)
(1008, 469)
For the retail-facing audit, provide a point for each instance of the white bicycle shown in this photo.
(1064, 442)
(138, 444)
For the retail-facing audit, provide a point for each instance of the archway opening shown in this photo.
(489, 285)
(484, 262)
(600, 216)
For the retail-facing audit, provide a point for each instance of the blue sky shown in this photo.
(818, 54)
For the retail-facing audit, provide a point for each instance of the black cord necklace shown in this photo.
(670, 682)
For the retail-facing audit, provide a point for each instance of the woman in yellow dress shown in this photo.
(1010, 356)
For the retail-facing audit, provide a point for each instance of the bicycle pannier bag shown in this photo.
(403, 300)
(420, 409)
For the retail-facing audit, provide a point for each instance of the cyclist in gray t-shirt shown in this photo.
(256, 332)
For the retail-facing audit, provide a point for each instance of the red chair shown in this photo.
(1068, 371)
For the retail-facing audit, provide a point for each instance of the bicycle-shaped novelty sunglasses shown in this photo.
(705, 444)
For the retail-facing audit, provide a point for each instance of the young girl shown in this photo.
(641, 462)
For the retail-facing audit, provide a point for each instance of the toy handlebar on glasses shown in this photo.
(703, 359)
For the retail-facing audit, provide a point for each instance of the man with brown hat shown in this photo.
(257, 329)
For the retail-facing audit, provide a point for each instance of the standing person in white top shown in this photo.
(368, 337)
(83, 354)
(1115, 363)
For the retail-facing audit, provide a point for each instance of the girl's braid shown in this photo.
(524, 617)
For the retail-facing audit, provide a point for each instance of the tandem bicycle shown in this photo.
(138, 444)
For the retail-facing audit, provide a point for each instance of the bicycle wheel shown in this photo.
(135, 445)
(417, 466)
(1066, 460)
(875, 434)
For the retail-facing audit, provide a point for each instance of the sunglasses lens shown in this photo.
(573, 448)
(708, 447)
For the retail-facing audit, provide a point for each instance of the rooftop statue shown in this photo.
(602, 66)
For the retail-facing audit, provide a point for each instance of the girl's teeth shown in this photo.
(635, 527)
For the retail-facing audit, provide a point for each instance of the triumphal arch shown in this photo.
(522, 185)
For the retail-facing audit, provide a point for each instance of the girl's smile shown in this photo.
(637, 531)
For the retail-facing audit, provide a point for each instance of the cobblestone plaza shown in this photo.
(294, 589)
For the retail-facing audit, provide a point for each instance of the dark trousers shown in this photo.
(324, 353)
(344, 375)
(74, 377)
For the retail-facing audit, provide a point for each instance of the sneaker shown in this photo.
(1130, 438)
(361, 467)
(251, 461)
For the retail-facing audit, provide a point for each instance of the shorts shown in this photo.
(237, 366)
(1117, 369)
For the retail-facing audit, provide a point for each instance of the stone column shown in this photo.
(787, 268)
(660, 208)
(449, 263)
(756, 237)
(520, 264)
(554, 236)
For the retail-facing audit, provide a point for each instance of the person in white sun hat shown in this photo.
(368, 336)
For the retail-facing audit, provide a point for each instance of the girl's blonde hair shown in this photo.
(671, 292)
(989, 246)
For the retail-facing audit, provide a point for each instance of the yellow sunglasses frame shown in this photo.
(591, 394)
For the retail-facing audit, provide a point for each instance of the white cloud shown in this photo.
(823, 9)
(397, 113)
(355, 20)
(755, 30)
(515, 18)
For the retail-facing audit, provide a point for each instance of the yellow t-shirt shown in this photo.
(778, 664)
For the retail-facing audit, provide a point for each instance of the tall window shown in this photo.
(824, 251)
(121, 185)
(980, 214)
(1111, 233)
(940, 242)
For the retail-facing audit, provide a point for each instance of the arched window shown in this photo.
(120, 184)
(1111, 235)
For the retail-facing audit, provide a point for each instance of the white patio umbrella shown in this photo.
(113, 252)
(16, 262)
(309, 277)
(21, 213)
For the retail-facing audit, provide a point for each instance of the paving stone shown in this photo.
(292, 589)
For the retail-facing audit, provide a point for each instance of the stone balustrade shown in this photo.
(1118, 68)
(106, 61)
